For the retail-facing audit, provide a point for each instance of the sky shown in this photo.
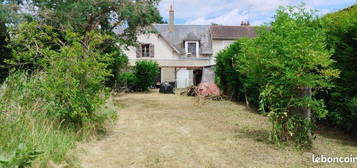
(232, 12)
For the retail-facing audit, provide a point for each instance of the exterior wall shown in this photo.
(162, 49)
(176, 62)
(168, 74)
(168, 59)
(208, 75)
(165, 54)
(217, 46)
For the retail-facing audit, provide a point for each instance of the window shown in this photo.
(192, 48)
(145, 50)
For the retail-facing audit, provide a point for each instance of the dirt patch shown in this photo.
(157, 130)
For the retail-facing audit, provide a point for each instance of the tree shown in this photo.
(8, 9)
(127, 17)
(291, 62)
(86, 15)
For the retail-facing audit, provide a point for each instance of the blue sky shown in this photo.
(232, 12)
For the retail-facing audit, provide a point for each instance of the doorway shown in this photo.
(197, 76)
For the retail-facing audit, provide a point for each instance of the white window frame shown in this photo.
(145, 50)
(197, 47)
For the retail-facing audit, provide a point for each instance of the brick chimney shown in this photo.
(172, 19)
(245, 23)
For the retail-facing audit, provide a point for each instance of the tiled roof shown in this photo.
(232, 32)
(186, 33)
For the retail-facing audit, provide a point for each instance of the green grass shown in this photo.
(42, 134)
(29, 136)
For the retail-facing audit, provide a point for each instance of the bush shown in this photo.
(145, 73)
(117, 64)
(229, 79)
(50, 107)
(282, 70)
(127, 80)
(342, 38)
(27, 132)
(289, 60)
(72, 78)
(73, 86)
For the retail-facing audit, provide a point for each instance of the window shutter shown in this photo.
(152, 50)
(139, 51)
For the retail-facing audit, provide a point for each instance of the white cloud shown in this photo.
(232, 12)
(234, 17)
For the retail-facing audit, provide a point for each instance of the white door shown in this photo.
(183, 78)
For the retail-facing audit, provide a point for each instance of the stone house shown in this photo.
(186, 53)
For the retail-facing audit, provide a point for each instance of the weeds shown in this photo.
(29, 134)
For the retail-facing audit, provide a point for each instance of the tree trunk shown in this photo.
(246, 100)
(304, 112)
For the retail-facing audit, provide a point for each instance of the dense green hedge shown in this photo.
(342, 99)
(229, 79)
(282, 70)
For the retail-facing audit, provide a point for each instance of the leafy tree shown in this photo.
(4, 52)
(127, 17)
(71, 86)
(290, 62)
(8, 15)
(84, 16)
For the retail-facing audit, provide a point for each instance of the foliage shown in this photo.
(24, 120)
(118, 64)
(9, 15)
(4, 52)
(342, 38)
(230, 79)
(127, 80)
(67, 57)
(31, 42)
(73, 78)
(125, 17)
(227, 77)
(287, 60)
(21, 157)
(145, 73)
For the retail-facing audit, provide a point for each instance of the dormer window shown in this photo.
(192, 48)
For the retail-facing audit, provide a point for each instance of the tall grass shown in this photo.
(24, 120)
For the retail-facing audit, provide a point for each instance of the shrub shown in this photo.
(145, 73)
(127, 80)
(74, 84)
(72, 76)
(282, 70)
(342, 38)
(288, 60)
(117, 64)
(229, 78)
(26, 129)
